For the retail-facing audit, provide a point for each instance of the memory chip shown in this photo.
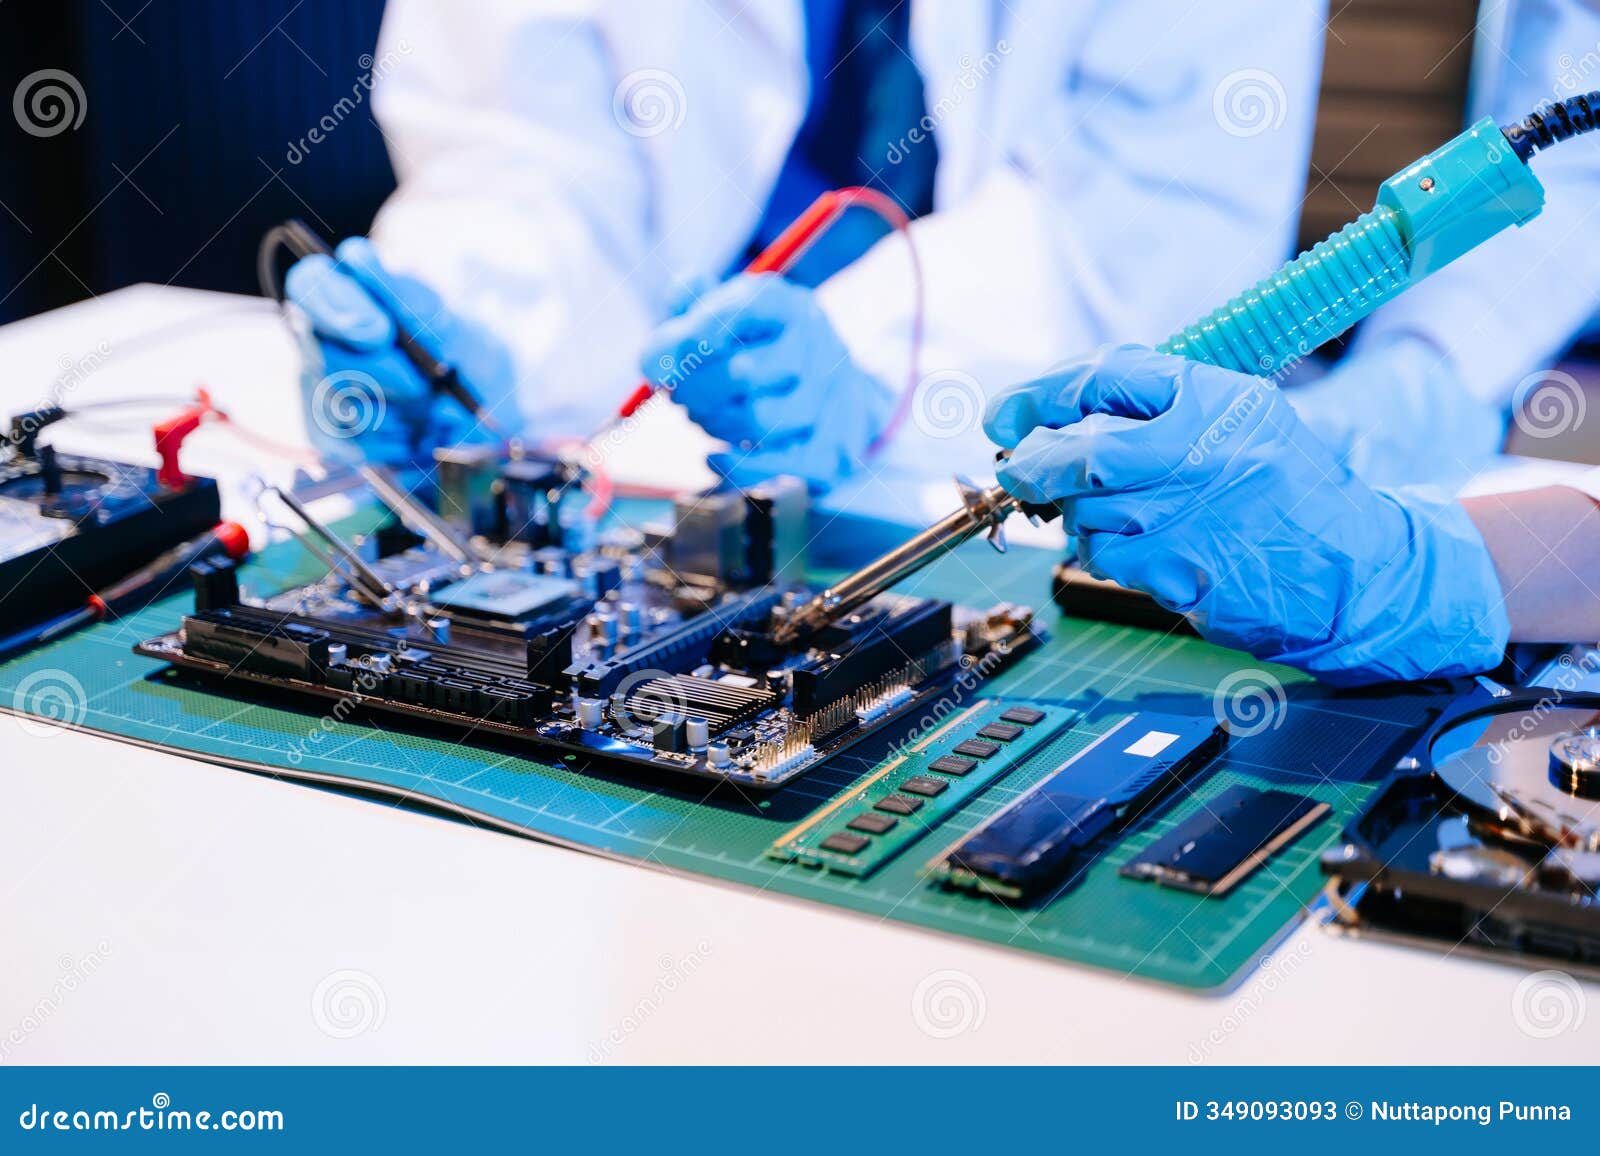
(1026, 715)
(844, 842)
(1221, 843)
(953, 765)
(977, 748)
(923, 785)
(872, 823)
(897, 804)
(1003, 731)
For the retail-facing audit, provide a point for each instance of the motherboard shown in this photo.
(497, 609)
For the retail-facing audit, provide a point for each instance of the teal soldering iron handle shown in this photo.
(1427, 215)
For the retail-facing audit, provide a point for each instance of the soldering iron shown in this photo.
(1426, 215)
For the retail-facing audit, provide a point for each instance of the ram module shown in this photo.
(917, 788)
(1031, 845)
(1221, 843)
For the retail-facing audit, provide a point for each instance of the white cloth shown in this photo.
(1109, 170)
(1587, 482)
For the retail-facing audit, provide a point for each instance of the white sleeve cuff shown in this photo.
(1587, 482)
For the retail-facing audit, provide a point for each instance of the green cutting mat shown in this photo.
(1333, 747)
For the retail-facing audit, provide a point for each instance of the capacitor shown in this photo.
(553, 560)
(631, 618)
(603, 628)
(717, 755)
(697, 733)
(606, 575)
(591, 711)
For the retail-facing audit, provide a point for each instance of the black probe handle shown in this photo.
(441, 376)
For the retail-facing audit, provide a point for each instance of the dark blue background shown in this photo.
(197, 102)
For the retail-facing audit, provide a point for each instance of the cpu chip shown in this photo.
(513, 595)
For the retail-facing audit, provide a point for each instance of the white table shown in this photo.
(157, 909)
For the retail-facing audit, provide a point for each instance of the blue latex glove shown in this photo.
(364, 401)
(1396, 413)
(757, 364)
(1201, 486)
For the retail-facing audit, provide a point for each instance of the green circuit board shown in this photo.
(1333, 747)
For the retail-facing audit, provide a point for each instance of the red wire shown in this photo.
(265, 444)
(205, 409)
(781, 255)
(888, 209)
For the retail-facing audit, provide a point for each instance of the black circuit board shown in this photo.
(609, 658)
(71, 525)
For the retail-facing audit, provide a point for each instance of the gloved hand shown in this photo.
(757, 364)
(1201, 486)
(363, 399)
(1395, 412)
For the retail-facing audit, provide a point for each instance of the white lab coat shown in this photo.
(1108, 170)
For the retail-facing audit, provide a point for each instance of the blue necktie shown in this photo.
(866, 96)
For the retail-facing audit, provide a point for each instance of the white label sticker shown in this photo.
(1153, 743)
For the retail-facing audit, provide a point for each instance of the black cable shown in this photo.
(298, 239)
(1550, 123)
(267, 263)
